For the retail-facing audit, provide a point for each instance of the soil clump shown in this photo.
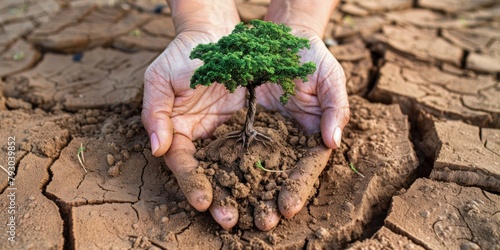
(234, 171)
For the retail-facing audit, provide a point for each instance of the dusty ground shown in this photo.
(425, 131)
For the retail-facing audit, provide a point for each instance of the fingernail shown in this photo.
(155, 143)
(203, 202)
(337, 136)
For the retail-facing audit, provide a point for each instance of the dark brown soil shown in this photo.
(232, 168)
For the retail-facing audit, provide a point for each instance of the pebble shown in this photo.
(328, 216)
(125, 154)
(322, 233)
(110, 159)
(114, 171)
(469, 246)
(424, 214)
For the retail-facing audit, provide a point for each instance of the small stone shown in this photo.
(125, 154)
(110, 159)
(114, 171)
(328, 216)
(469, 246)
(424, 214)
(164, 219)
(135, 226)
(322, 233)
(315, 201)
(314, 221)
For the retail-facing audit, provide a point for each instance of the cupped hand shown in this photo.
(319, 105)
(174, 115)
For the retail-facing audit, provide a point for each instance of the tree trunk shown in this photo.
(252, 108)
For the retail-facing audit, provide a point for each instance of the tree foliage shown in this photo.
(264, 52)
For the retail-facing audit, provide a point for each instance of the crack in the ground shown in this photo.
(400, 231)
(154, 243)
(64, 209)
(486, 196)
(142, 175)
(105, 189)
(436, 233)
(182, 230)
(136, 212)
(467, 224)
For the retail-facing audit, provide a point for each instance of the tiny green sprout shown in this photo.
(348, 20)
(80, 156)
(18, 55)
(462, 21)
(135, 32)
(258, 164)
(351, 165)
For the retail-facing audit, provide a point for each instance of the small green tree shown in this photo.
(264, 52)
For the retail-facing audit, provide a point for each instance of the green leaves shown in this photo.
(253, 55)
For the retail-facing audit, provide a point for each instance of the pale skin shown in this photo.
(174, 114)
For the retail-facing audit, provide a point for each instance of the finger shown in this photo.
(156, 110)
(332, 95)
(224, 209)
(301, 181)
(193, 183)
(266, 216)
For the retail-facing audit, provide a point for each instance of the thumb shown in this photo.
(335, 106)
(157, 107)
(160, 130)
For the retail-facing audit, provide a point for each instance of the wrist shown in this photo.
(303, 16)
(214, 17)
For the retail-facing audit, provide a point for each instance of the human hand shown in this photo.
(174, 115)
(318, 105)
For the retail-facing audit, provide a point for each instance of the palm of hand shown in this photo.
(312, 97)
(196, 112)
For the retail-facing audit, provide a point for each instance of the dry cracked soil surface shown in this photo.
(423, 79)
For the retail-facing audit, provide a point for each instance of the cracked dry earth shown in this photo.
(423, 79)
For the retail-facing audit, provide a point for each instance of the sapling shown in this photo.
(250, 56)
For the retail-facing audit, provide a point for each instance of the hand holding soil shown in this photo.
(174, 115)
(319, 104)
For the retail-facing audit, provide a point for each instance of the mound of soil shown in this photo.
(234, 172)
